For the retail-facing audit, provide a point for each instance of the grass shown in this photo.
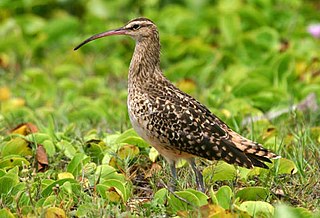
(240, 59)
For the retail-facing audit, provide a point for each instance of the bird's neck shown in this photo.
(145, 63)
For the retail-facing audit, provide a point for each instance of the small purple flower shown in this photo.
(314, 30)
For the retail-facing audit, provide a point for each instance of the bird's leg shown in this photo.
(173, 180)
(199, 178)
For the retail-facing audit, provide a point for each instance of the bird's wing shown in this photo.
(190, 127)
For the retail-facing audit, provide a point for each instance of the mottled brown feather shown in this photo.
(176, 124)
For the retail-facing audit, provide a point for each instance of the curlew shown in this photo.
(173, 122)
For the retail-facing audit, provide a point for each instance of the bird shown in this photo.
(173, 122)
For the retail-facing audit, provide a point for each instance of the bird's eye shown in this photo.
(135, 27)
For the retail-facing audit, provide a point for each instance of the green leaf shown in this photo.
(132, 138)
(16, 146)
(287, 166)
(46, 182)
(50, 148)
(67, 147)
(258, 208)
(153, 154)
(67, 187)
(161, 196)
(6, 213)
(49, 201)
(120, 187)
(203, 198)
(8, 181)
(191, 202)
(282, 68)
(94, 148)
(220, 172)
(250, 87)
(83, 210)
(102, 190)
(126, 134)
(11, 161)
(38, 138)
(77, 163)
(265, 38)
(18, 188)
(32, 24)
(213, 196)
(48, 190)
(252, 194)
(229, 6)
(181, 163)
(243, 173)
(224, 196)
(229, 25)
(105, 172)
(62, 24)
(287, 211)
(2, 172)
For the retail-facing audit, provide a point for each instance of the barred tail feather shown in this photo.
(246, 153)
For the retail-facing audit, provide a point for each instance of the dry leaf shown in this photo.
(128, 151)
(54, 212)
(113, 162)
(113, 195)
(211, 210)
(42, 158)
(154, 169)
(25, 129)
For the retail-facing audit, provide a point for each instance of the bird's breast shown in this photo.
(145, 121)
(142, 121)
(140, 112)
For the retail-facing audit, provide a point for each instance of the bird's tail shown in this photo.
(247, 153)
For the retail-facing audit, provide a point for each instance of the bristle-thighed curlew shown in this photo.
(173, 122)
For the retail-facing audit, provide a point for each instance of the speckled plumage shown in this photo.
(176, 124)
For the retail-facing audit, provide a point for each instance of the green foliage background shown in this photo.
(237, 57)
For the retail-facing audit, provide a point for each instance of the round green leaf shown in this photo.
(287, 211)
(105, 172)
(203, 198)
(132, 138)
(258, 208)
(224, 196)
(191, 201)
(161, 196)
(287, 166)
(222, 171)
(119, 186)
(16, 146)
(252, 194)
(11, 161)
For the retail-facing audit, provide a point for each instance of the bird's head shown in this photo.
(138, 29)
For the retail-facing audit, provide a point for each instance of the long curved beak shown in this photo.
(120, 31)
